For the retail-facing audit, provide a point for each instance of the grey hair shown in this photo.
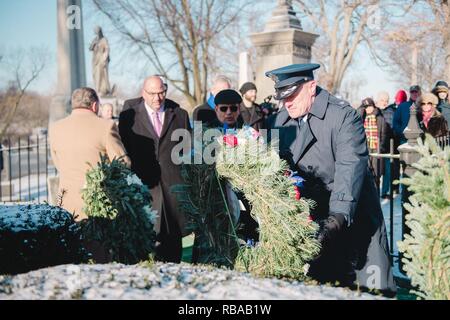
(222, 78)
(382, 94)
(84, 98)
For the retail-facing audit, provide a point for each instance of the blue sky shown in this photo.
(26, 23)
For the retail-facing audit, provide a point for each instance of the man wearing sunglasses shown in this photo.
(323, 139)
(227, 109)
(228, 115)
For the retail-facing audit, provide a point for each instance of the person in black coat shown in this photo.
(145, 126)
(383, 135)
(441, 91)
(228, 116)
(323, 139)
(251, 112)
(433, 122)
(206, 113)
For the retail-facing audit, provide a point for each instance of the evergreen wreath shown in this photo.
(119, 209)
(287, 235)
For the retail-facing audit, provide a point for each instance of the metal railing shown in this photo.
(25, 165)
(443, 141)
(379, 157)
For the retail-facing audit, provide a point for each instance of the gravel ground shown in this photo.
(159, 281)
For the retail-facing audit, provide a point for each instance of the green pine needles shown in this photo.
(427, 250)
(119, 210)
(287, 237)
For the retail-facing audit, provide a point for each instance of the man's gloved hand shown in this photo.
(329, 228)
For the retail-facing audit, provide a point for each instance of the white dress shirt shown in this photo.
(161, 114)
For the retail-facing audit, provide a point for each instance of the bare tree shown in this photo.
(24, 66)
(441, 25)
(344, 26)
(417, 47)
(175, 36)
(417, 59)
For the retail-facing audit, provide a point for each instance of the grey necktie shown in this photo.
(301, 123)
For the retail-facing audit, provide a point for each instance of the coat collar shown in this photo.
(144, 125)
(168, 118)
(250, 115)
(320, 103)
(302, 143)
(318, 109)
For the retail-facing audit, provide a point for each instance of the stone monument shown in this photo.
(282, 42)
(100, 70)
(100, 63)
(70, 56)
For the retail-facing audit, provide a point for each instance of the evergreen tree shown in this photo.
(426, 249)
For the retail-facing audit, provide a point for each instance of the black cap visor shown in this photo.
(285, 92)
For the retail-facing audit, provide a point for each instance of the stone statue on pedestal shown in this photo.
(100, 63)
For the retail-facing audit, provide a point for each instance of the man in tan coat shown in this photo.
(77, 141)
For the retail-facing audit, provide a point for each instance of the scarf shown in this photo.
(371, 128)
(426, 116)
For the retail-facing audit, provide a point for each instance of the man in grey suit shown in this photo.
(323, 139)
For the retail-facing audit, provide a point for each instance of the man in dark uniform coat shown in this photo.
(323, 139)
(145, 126)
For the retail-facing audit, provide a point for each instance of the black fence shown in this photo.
(26, 165)
(380, 165)
(443, 141)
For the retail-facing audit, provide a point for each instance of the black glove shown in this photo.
(330, 228)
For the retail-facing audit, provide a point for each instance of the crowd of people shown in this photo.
(322, 138)
(385, 123)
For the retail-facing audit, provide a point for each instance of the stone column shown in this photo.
(70, 56)
(282, 42)
(245, 72)
(408, 156)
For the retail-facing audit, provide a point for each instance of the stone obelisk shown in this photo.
(70, 56)
(282, 42)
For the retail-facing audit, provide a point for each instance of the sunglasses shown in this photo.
(225, 108)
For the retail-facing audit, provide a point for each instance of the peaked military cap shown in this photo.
(288, 79)
(227, 96)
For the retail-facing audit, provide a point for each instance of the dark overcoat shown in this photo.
(385, 133)
(330, 152)
(253, 117)
(151, 161)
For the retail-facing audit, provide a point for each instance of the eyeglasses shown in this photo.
(225, 108)
(427, 103)
(161, 94)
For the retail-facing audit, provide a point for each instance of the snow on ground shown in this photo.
(160, 281)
